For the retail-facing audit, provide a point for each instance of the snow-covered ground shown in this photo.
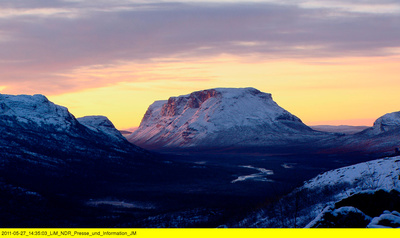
(372, 175)
(306, 205)
(393, 218)
(365, 178)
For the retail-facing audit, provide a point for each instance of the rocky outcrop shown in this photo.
(376, 209)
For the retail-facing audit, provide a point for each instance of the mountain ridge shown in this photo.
(345, 129)
(382, 138)
(40, 132)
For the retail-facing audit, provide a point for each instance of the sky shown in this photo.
(327, 62)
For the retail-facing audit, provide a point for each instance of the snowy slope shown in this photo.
(376, 174)
(101, 124)
(47, 156)
(367, 180)
(387, 122)
(34, 110)
(307, 205)
(218, 117)
(362, 178)
(35, 130)
(382, 138)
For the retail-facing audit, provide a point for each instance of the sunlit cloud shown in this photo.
(60, 47)
(373, 7)
(38, 12)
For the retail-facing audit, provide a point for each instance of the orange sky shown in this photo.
(350, 91)
(332, 63)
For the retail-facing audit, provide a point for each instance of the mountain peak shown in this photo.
(175, 105)
(35, 129)
(36, 109)
(214, 117)
(229, 93)
(387, 122)
(101, 124)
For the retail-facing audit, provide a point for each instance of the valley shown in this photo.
(62, 171)
(176, 186)
(198, 114)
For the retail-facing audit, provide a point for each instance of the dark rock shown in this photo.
(373, 204)
(344, 217)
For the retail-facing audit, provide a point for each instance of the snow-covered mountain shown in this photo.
(382, 138)
(37, 131)
(360, 195)
(386, 123)
(26, 112)
(101, 124)
(51, 164)
(220, 117)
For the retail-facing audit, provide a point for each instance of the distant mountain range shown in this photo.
(53, 162)
(340, 129)
(214, 119)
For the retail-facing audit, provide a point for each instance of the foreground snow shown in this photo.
(363, 178)
(308, 205)
(372, 175)
(392, 217)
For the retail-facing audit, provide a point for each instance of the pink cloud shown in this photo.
(39, 49)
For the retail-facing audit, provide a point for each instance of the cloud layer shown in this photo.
(43, 42)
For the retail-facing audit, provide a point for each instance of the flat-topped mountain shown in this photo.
(220, 117)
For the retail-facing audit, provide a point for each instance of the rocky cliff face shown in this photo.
(221, 117)
(176, 105)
